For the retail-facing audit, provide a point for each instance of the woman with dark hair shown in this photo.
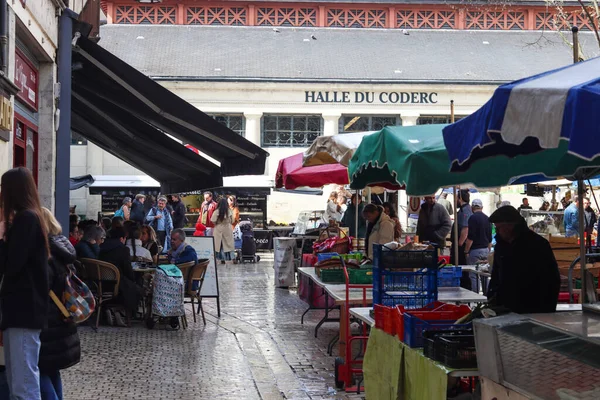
(60, 346)
(149, 241)
(24, 253)
(137, 250)
(380, 227)
(390, 210)
(235, 211)
(223, 231)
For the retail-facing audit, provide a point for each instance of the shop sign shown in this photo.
(26, 79)
(371, 97)
(6, 114)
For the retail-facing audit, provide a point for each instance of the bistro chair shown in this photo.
(194, 285)
(185, 271)
(102, 273)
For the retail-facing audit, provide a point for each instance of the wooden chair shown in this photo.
(185, 271)
(100, 272)
(194, 285)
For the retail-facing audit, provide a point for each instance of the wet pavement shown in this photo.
(257, 350)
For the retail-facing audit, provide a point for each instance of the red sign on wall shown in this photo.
(26, 79)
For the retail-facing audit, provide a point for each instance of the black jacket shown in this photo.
(85, 249)
(178, 214)
(137, 213)
(525, 277)
(60, 341)
(24, 266)
(116, 253)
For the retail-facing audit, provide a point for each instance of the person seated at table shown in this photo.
(116, 222)
(380, 227)
(114, 251)
(136, 248)
(74, 234)
(89, 245)
(181, 252)
(525, 277)
(149, 242)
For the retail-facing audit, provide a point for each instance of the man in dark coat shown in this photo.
(137, 212)
(179, 218)
(114, 251)
(525, 277)
(88, 246)
(349, 218)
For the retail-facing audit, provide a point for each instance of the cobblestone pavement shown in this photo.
(257, 350)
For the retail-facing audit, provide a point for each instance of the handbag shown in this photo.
(78, 302)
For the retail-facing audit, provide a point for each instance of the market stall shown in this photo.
(550, 356)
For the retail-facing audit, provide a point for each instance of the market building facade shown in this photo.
(282, 74)
(28, 106)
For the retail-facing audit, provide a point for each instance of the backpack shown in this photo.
(78, 302)
(119, 213)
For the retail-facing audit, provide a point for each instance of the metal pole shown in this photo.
(356, 218)
(575, 44)
(455, 226)
(63, 134)
(580, 194)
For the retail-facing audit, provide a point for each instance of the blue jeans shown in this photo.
(51, 386)
(21, 352)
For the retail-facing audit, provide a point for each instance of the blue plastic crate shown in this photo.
(326, 256)
(414, 327)
(448, 282)
(450, 272)
(449, 276)
(412, 289)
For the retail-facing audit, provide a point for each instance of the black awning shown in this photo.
(146, 148)
(115, 82)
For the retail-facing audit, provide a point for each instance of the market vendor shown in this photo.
(525, 277)
(380, 227)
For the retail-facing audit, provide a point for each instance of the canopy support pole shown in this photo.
(582, 260)
(356, 217)
(455, 228)
(455, 225)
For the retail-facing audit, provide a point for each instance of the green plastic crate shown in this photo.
(333, 276)
(363, 276)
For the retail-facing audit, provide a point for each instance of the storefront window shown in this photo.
(363, 123)
(25, 145)
(77, 139)
(437, 119)
(291, 130)
(234, 122)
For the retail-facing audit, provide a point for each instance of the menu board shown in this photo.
(254, 208)
(112, 200)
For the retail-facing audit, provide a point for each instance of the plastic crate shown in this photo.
(450, 272)
(385, 318)
(418, 321)
(457, 351)
(436, 305)
(410, 288)
(326, 256)
(386, 258)
(333, 276)
(449, 276)
(363, 276)
(430, 349)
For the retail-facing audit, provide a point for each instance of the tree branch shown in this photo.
(592, 22)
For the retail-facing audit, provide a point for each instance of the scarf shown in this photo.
(369, 230)
(175, 255)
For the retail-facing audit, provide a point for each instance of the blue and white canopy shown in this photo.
(532, 114)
